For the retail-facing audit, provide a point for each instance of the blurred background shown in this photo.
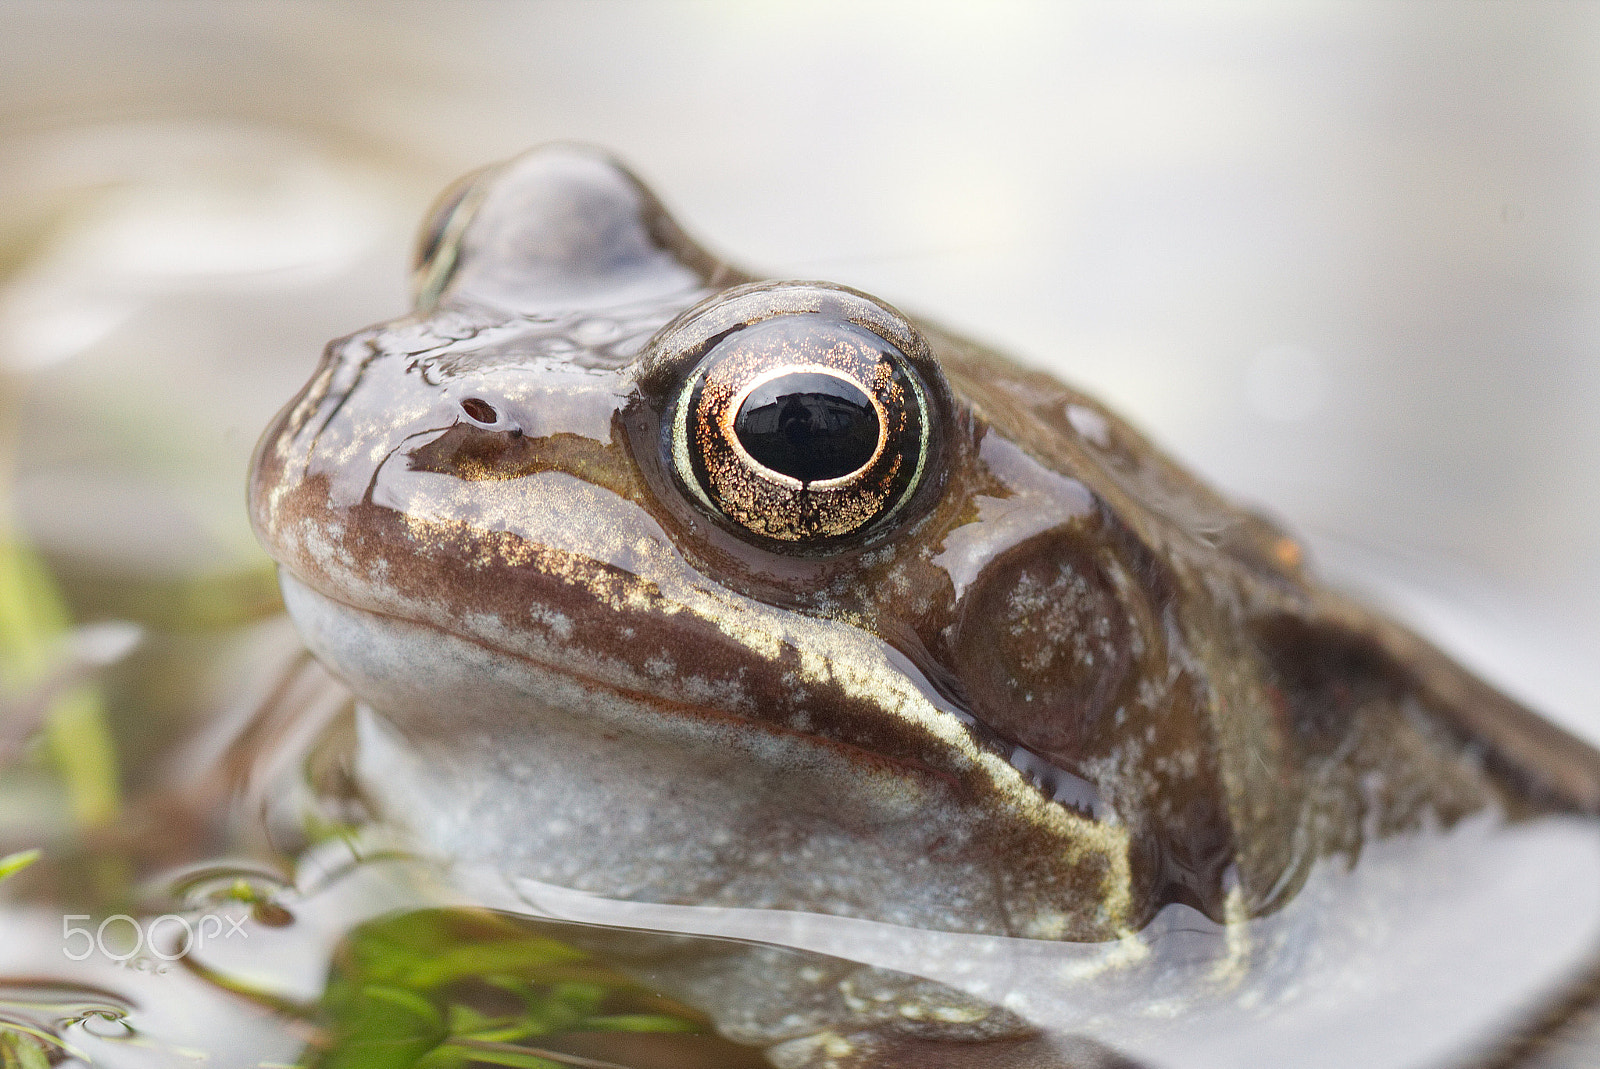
(1342, 258)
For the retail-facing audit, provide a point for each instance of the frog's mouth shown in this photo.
(437, 684)
(493, 757)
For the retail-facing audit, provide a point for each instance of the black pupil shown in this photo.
(808, 426)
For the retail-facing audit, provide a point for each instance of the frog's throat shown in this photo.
(411, 669)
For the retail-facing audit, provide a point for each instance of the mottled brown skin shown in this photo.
(1276, 694)
(1163, 656)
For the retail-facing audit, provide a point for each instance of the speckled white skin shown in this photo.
(581, 786)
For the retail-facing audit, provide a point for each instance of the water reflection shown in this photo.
(354, 951)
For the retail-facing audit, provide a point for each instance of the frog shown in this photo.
(668, 582)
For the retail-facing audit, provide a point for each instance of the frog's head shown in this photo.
(700, 588)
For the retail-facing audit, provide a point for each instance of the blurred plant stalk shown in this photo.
(45, 689)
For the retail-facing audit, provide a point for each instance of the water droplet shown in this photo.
(213, 886)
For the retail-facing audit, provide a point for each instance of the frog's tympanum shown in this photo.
(687, 586)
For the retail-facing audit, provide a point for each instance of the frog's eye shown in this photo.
(800, 413)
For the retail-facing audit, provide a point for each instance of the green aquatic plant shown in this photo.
(12, 864)
(34, 624)
(22, 1047)
(449, 988)
(31, 1017)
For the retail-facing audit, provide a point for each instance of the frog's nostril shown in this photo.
(480, 411)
